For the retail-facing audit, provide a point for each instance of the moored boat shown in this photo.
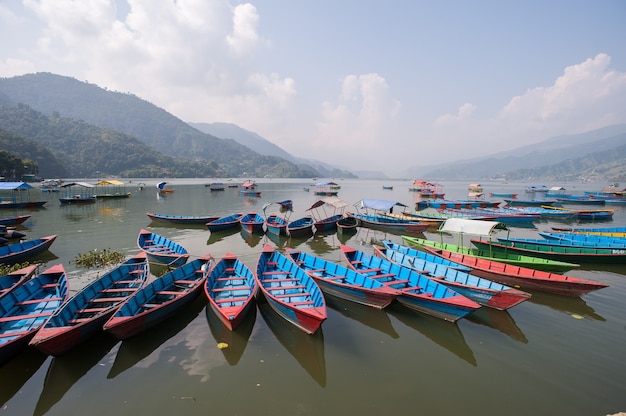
(276, 224)
(17, 277)
(159, 299)
(230, 289)
(375, 216)
(225, 222)
(483, 291)
(342, 282)
(422, 255)
(347, 224)
(302, 227)
(182, 219)
(19, 252)
(26, 308)
(326, 212)
(15, 220)
(84, 314)
(252, 222)
(161, 250)
(289, 291)
(415, 291)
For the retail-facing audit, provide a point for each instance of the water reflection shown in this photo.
(135, 349)
(566, 304)
(252, 239)
(443, 333)
(308, 350)
(319, 244)
(374, 318)
(66, 370)
(17, 371)
(280, 241)
(217, 236)
(79, 212)
(499, 320)
(237, 340)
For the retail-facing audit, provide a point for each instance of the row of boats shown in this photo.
(36, 309)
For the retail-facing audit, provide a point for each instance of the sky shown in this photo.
(361, 84)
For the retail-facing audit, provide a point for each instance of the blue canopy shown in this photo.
(379, 204)
(10, 186)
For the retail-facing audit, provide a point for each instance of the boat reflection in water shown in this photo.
(569, 305)
(235, 341)
(308, 350)
(371, 317)
(252, 239)
(217, 236)
(17, 371)
(64, 371)
(441, 332)
(499, 320)
(135, 349)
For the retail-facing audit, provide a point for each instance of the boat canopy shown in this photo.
(161, 185)
(333, 201)
(112, 182)
(557, 188)
(471, 227)
(83, 184)
(379, 204)
(11, 186)
(325, 183)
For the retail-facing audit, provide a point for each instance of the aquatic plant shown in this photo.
(97, 258)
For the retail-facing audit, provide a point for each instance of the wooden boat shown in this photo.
(77, 193)
(111, 189)
(529, 202)
(289, 291)
(15, 220)
(555, 252)
(19, 252)
(424, 256)
(483, 291)
(182, 219)
(276, 224)
(427, 189)
(159, 299)
(387, 223)
(326, 189)
(252, 222)
(84, 314)
(585, 238)
(605, 231)
(224, 223)
(521, 277)
(215, 186)
(161, 250)
(10, 233)
(462, 227)
(454, 203)
(597, 242)
(580, 200)
(164, 189)
(347, 224)
(388, 187)
(15, 278)
(415, 291)
(15, 195)
(507, 216)
(326, 212)
(502, 195)
(342, 282)
(230, 289)
(26, 308)
(475, 191)
(248, 188)
(285, 205)
(586, 214)
(302, 227)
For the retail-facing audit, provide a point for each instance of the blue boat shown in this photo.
(230, 289)
(84, 314)
(455, 203)
(483, 291)
(27, 307)
(252, 222)
(20, 252)
(302, 227)
(606, 231)
(326, 212)
(422, 255)
(289, 291)
(415, 291)
(605, 243)
(161, 250)
(226, 222)
(160, 299)
(181, 219)
(601, 240)
(276, 224)
(344, 283)
(16, 278)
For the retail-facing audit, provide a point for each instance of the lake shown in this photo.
(551, 355)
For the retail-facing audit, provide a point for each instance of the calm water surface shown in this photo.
(551, 355)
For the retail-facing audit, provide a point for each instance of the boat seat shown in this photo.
(383, 275)
(355, 262)
(50, 286)
(395, 282)
(233, 300)
(78, 320)
(105, 299)
(119, 290)
(271, 263)
(91, 310)
(149, 305)
(136, 271)
(374, 269)
(13, 334)
(169, 292)
(229, 270)
(407, 289)
(186, 282)
(221, 279)
(304, 302)
(285, 287)
(31, 301)
(126, 282)
(276, 272)
(230, 288)
(20, 317)
(294, 295)
(290, 279)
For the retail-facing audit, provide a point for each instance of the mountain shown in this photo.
(69, 98)
(536, 160)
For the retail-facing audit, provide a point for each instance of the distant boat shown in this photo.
(326, 212)
(226, 222)
(17, 195)
(388, 187)
(248, 188)
(77, 193)
(326, 189)
(216, 186)
(163, 188)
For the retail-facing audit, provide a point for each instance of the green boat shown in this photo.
(553, 252)
(537, 263)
